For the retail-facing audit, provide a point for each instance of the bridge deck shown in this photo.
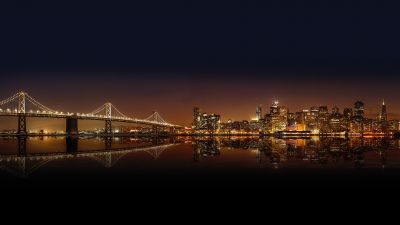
(81, 117)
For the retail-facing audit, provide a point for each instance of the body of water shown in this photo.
(199, 161)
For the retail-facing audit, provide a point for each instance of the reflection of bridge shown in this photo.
(22, 105)
(24, 164)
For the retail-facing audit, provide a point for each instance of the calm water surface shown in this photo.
(180, 158)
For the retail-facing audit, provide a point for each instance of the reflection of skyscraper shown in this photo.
(259, 112)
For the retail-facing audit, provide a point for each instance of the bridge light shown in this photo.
(37, 111)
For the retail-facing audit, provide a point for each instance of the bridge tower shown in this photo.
(108, 127)
(72, 126)
(21, 114)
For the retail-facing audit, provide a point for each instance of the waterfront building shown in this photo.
(259, 112)
(315, 120)
(348, 113)
(335, 110)
(279, 117)
(359, 111)
(205, 123)
(394, 125)
(383, 119)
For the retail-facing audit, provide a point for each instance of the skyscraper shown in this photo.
(196, 117)
(259, 112)
(274, 108)
(359, 110)
(348, 113)
(205, 122)
(279, 117)
(383, 118)
(335, 110)
(383, 114)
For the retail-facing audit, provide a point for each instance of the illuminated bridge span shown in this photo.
(23, 165)
(22, 105)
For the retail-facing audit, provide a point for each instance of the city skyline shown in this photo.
(315, 120)
(246, 111)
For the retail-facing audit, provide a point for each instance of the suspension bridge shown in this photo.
(23, 106)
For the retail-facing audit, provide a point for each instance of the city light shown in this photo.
(317, 120)
(314, 121)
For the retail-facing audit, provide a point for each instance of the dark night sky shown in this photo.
(225, 57)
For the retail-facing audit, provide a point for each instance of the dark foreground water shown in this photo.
(200, 162)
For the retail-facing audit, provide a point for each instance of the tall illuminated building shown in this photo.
(314, 110)
(279, 117)
(335, 110)
(259, 112)
(383, 118)
(196, 118)
(359, 111)
(274, 109)
(323, 119)
(383, 114)
(347, 113)
(203, 122)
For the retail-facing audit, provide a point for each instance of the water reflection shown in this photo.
(322, 151)
(23, 156)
